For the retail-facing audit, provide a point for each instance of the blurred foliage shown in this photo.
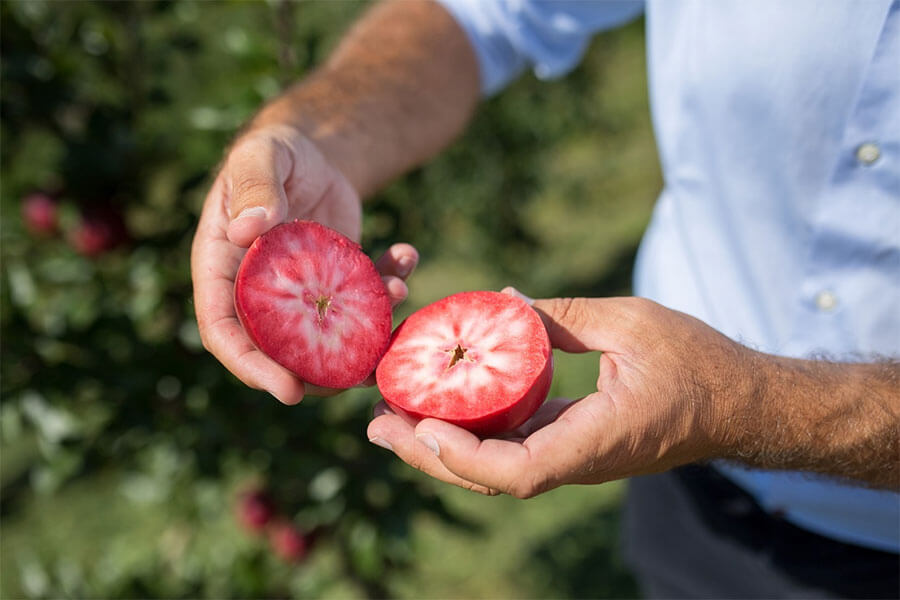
(125, 446)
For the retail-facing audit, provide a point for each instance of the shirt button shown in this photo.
(826, 301)
(868, 153)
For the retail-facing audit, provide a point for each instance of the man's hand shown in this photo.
(671, 390)
(399, 87)
(653, 408)
(271, 175)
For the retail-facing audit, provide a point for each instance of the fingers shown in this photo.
(255, 176)
(565, 450)
(573, 324)
(546, 414)
(214, 263)
(400, 260)
(507, 466)
(395, 266)
(224, 337)
(514, 292)
(396, 289)
(503, 465)
(393, 432)
(587, 324)
(249, 197)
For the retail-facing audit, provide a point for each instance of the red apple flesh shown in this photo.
(310, 299)
(479, 360)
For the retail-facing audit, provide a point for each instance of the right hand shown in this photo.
(271, 175)
(668, 393)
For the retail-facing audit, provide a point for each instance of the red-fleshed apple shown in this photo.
(40, 213)
(480, 360)
(310, 299)
(287, 541)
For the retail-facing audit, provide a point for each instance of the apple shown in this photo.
(255, 510)
(479, 360)
(100, 230)
(310, 299)
(287, 542)
(40, 213)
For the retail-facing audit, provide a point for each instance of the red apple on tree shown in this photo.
(100, 229)
(40, 211)
(287, 542)
(255, 510)
(479, 360)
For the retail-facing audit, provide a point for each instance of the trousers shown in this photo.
(692, 533)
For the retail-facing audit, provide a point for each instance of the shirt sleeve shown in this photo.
(549, 36)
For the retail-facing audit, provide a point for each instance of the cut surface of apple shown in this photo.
(480, 360)
(310, 299)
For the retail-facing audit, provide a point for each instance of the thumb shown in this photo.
(255, 177)
(580, 324)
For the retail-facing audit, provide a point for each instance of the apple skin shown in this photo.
(100, 230)
(40, 212)
(288, 542)
(255, 510)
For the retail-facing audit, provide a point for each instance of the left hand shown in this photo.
(272, 174)
(666, 386)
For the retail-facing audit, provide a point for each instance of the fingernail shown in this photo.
(253, 211)
(383, 443)
(404, 266)
(514, 292)
(382, 410)
(430, 442)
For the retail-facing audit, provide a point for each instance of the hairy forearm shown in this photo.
(400, 86)
(837, 419)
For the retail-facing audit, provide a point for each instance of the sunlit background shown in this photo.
(133, 464)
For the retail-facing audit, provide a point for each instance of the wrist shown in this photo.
(298, 115)
(737, 403)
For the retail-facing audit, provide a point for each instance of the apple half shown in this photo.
(479, 360)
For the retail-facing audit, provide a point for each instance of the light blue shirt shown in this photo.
(778, 127)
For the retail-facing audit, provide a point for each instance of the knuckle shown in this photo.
(526, 486)
(204, 339)
(570, 313)
(539, 484)
(480, 489)
(631, 313)
(203, 329)
(644, 320)
(638, 309)
(522, 490)
(253, 186)
(253, 146)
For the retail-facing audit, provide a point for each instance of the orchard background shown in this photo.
(129, 455)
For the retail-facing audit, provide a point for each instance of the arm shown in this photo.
(838, 419)
(401, 85)
(398, 88)
(671, 390)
